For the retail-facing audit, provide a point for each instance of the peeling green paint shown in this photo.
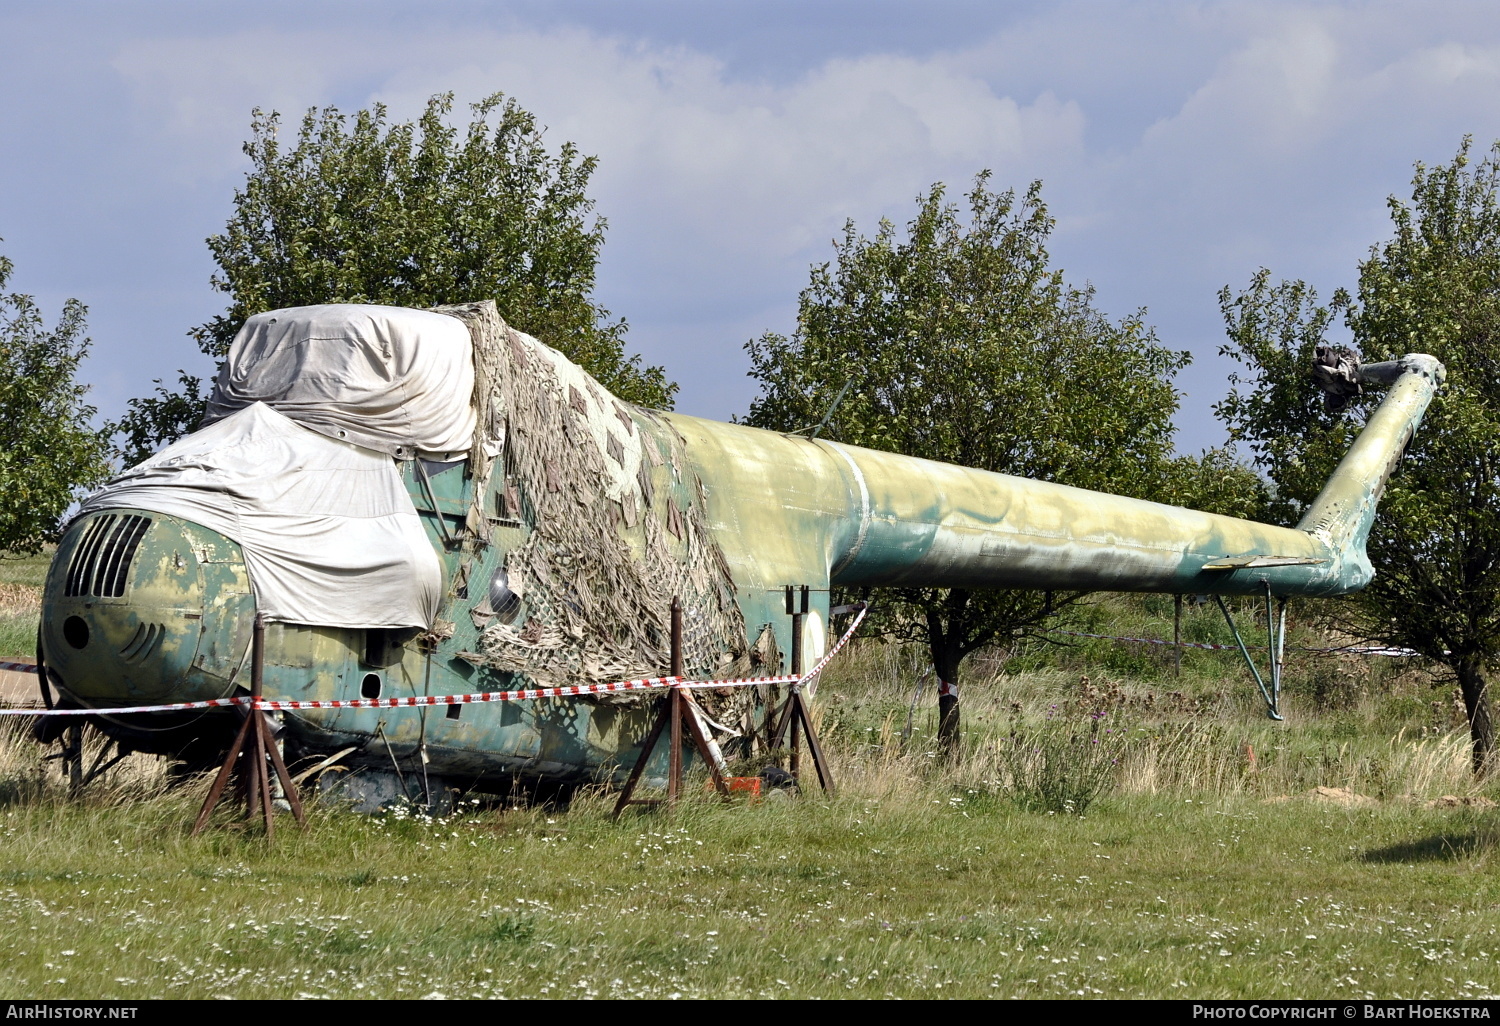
(785, 510)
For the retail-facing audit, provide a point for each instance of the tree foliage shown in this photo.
(48, 450)
(1433, 288)
(1215, 481)
(411, 214)
(960, 343)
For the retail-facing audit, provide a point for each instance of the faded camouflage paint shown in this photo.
(189, 585)
(786, 510)
(794, 510)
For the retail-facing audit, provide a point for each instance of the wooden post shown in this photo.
(217, 790)
(815, 749)
(72, 756)
(647, 747)
(255, 768)
(798, 720)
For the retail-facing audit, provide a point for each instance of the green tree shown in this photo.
(48, 450)
(1215, 481)
(411, 214)
(1433, 288)
(959, 343)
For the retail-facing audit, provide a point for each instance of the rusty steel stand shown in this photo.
(256, 779)
(794, 721)
(795, 718)
(675, 711)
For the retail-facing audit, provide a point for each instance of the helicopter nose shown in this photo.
(144, 607)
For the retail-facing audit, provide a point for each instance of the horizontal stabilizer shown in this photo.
(1248, 562)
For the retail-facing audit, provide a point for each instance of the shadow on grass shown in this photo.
(21, 789)
(1437, 848)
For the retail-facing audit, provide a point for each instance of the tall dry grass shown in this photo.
(33, 773)
(1355, 725)
(1204, 735)
(926, 876)
(20, 608)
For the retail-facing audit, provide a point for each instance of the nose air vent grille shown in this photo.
(147, 635)
(81, 569)
(102, 559)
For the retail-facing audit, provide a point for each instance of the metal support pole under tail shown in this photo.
(799, 618)
(674, 705)
(449, 541)
(1270, 690)
(776, 734)
(796, 719)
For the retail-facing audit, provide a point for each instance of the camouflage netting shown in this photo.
(613, 538)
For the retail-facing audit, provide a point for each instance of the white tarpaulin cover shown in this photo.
(387, 378)
(329, 532)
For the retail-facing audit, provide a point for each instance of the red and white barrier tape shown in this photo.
(212, 703)
(1346, 650)
(520, 695)
(828, 656)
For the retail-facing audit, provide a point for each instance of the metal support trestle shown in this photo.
(261, 756)
(795, 719)
(1275, 646)
(676, 711)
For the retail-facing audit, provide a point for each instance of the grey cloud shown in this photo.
(1182, 146)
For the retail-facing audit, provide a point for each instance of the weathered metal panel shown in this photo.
(784, 510)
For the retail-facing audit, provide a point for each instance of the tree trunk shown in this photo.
(945, 663)
(1473, 682)
(951, 635)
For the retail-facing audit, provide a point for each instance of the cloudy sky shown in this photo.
(1182, 145)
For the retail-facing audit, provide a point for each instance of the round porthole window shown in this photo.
(503, 600)
(75, 631)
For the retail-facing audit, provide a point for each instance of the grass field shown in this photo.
(1205, 864)
(20, 603)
